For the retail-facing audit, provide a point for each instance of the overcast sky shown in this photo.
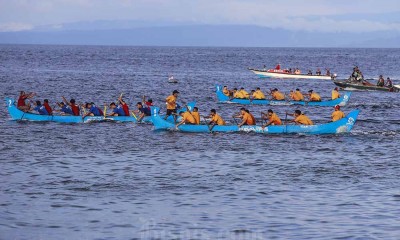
(311, 15)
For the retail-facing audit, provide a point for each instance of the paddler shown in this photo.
(313, 96)
(72, 105)
(337, 114)
(40, 108)
(124, 106)
(226, 91)
(47, 106)
(276, 95)
(244, 93)
(116, 110)
(258, 94)
(273, 119)
(187, 118)
(247, 119)
(389, 83)
(21, 104)
(93, 110)
(196, 115)
(142, 111)
(65, 109)
(335, 93)
(238, 94)
(301, 119)
(216, 119)
(171, 103)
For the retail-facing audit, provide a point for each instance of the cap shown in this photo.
(175, 91)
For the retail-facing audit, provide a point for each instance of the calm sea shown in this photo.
(126, 181)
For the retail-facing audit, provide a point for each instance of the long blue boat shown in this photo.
(17, 114)
(343, 125)
(329, 103)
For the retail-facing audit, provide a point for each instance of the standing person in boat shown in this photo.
(142, 111)
(272, 118)
(313, 96)
(381, 81)
(171, 104)
(93, 110)
(116, 110)
(276, 95)
(247, 119)
(124, 106)
(258, 94)
(187, 118)
(65, 109)
(40, 108)
(74, 107)
(301, 119)
(216, 119)
(335, 93)
(21, 104)
(389, 83)
(337, 114)
(47, 106)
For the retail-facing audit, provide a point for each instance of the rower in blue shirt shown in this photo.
(143, 111)
(116, 110)
(65, 109)
(40, 108)
(93, 110)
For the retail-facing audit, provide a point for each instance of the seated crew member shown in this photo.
(381, 81)
(273, 119)
(244, 93)
(252, 116)
(247, 119)
(40, 108)
(187, 118)
(313, 96)
(238, 94)
(74, 107)
(171, 104)
(124, 106)
(21, 103)
(298, 95)
(278, 67)
(318, 72)
(337, 114)
(195, 114)
(47, 106)
(258, 94)
(216, 119)
(335, 93)
(328, 72)
(301, 119)
(65, 109)
(116, 110)
(276, 95)
(226, 91)
(142, 111)
(93, 110)
(309, 72)
(389, 83)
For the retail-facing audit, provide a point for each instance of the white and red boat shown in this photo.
(285, 73)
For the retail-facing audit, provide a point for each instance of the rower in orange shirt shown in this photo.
(273, 119)
(226, 91)
(171, 103)
(216, 119)
(187, 118)
(337, 114)
(313, 96)
(335, 93)
(301, 119)
(247, 119)
(196, 115)
(258, 94)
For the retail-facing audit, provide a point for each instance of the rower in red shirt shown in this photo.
(47, 106)
(21, 104)
(124, 106)
(74, 107)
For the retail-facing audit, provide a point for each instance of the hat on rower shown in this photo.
(337, 107)
(175, 91)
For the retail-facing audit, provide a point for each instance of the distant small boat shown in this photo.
(171, 79)
(283, 73)
(365, 86)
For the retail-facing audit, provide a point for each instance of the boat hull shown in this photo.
(17, 114)
(363, 87)
(267, 74)
(343, 125)
(342, 101)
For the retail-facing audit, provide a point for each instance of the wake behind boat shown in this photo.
(342, 101)
(17, 114)
(277, 72)
(343, 125)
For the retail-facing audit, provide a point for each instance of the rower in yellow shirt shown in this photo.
(337, 114)
(171, 103)
(216, 119)
(335, 93)
(299, 95)
(247, 119)
(187, 118)
(226, 91)
(313, 96)
(301, 119)
(258, 94)
(244, 93)
(276, 95)
(196, 115)
(237, 94)
(273, 119)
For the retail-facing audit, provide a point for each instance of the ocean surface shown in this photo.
(125, 181)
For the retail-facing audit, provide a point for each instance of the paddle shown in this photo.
(133, 114)
(105, 111)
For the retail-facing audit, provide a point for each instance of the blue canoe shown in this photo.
(17, 114)
(343, 125)
(329, 103)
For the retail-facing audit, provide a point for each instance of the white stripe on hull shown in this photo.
(285, 75)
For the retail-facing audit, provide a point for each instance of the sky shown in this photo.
(309, 15)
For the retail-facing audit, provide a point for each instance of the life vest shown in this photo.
(21, 101)
(48, 108)
(126, 109)
(75, 109)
